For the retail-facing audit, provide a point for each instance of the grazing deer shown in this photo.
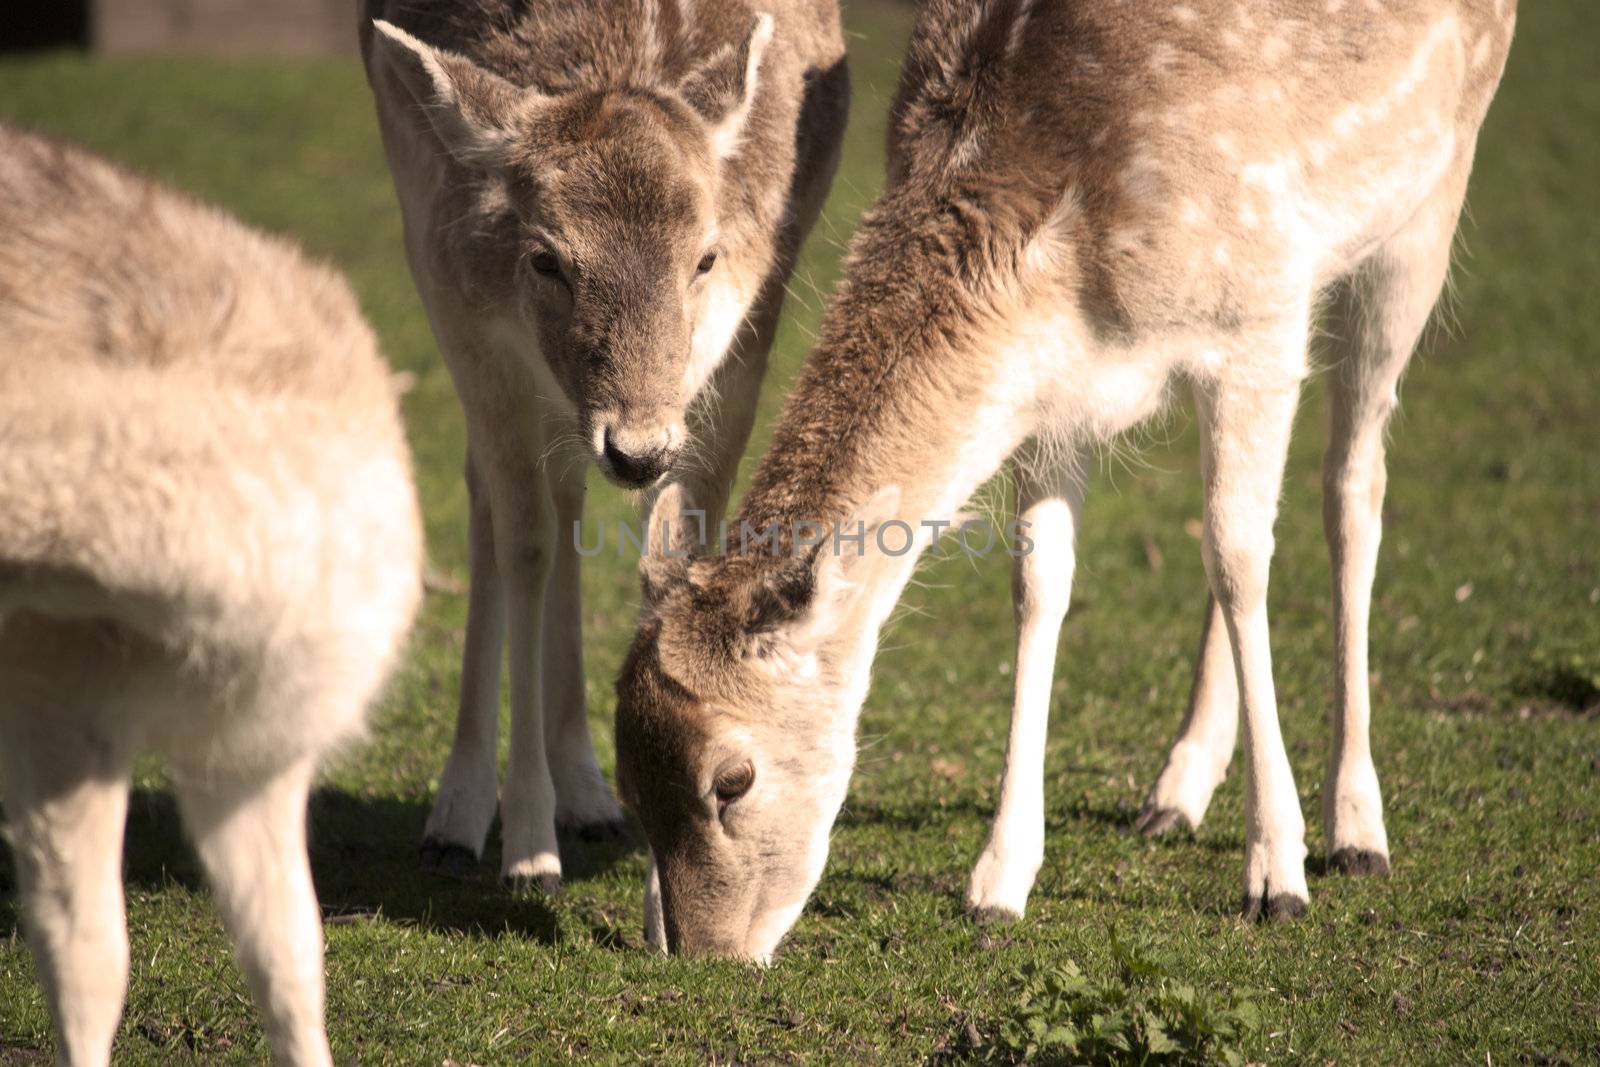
(1087, 204)
(209, 548)
(603, 202)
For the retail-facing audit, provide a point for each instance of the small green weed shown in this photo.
(1143, 1014)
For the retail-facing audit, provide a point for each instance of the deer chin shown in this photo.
(763, 934)
(767, 932)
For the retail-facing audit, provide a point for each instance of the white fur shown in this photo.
(1377, 224)
(1389, 285)
(1049, 499)
(726, 305)
(727, 134)
(1199, 758)
(209, 547)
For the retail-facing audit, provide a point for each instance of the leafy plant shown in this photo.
(1143, 1014)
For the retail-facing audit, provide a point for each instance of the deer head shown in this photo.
(736, 715)
(611, 203)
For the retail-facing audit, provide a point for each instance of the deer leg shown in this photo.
(1049, 501)
(1379, 315)
(67, 799)
(583, 800)
(525, 545)
(1245, 435)
(251, 836)
(1198, 759)
(469, 785)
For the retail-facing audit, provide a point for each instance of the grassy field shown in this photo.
(1486, 656)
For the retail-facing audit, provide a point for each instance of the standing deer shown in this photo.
(603, 202)
(209, 547)
(1087, 204)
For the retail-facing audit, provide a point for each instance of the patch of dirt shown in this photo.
(18, 1056)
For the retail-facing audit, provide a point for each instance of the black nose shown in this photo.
(635, 471)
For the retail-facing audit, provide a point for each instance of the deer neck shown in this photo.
(920, 382)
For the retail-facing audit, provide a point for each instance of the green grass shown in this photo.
(1486, 647)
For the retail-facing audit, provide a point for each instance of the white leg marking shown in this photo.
(1049, 499)
(1246, 438)
(1198, 760)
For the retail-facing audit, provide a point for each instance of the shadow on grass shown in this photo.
(1065, 821)
(365, 862)
(1568, 685)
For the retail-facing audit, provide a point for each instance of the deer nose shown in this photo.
(635, 469)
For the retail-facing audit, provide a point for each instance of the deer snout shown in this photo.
(696, 920)
(703, 939)
(636, 458)
(717, 934)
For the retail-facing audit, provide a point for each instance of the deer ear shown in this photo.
(783, 597)
(672, 539)
(722, 90)
(847, 566)
(473, 110)
(658, 576)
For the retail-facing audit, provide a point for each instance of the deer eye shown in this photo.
(707, 261)
(546, 263)
(733, 783)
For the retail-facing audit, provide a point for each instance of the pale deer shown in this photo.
(1088, 204)
(209, 548)
(603, 202)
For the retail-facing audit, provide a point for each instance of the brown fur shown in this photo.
(613, 176)
(1092, 181)
(603, 204)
